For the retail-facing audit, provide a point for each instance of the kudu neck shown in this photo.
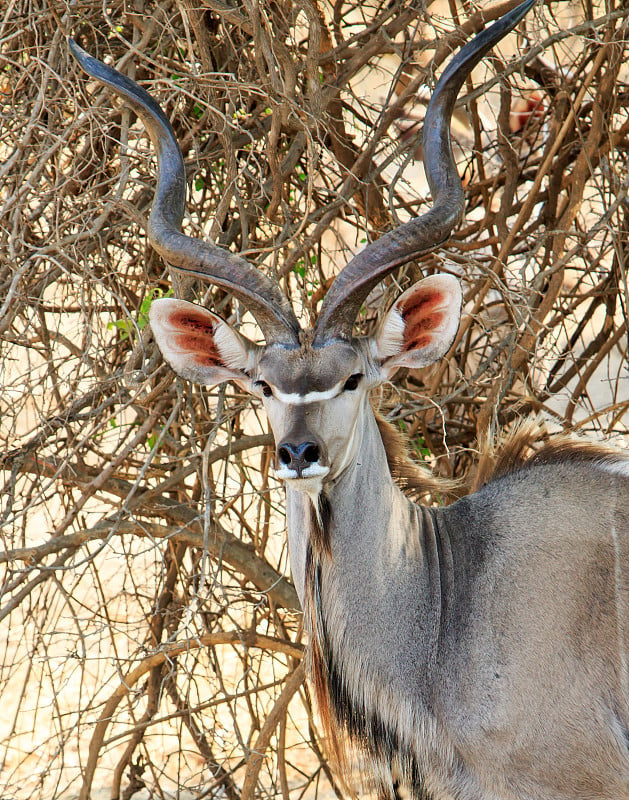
(366, 472)
(364, 501)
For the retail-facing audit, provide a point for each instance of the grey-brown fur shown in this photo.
(481, 648)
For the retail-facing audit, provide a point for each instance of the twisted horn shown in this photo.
(350, 288)
(258, 292)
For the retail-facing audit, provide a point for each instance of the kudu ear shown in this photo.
(421, 325)
(200, 346)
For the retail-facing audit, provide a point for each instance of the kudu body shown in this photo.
(473, 651)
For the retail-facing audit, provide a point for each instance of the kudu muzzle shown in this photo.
(299, 457)
(301, 451)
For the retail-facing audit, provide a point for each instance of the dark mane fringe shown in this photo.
(318, 656)
(412, 478)
(348, 728)
(320, 525)
(528, 444)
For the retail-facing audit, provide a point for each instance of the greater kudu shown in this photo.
(472, 651)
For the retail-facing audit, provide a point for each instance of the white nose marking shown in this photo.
(285, 473)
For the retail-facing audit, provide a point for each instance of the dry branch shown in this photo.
(142, 530)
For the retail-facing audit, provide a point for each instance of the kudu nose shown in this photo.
(298, 456)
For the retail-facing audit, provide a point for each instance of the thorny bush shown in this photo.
(151, 636)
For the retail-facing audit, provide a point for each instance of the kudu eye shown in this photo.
(352, 382)
(264, 388)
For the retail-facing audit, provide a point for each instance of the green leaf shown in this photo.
(420, 449)
(125, 326)
(145, 305)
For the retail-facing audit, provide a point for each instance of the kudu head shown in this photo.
(314, 383)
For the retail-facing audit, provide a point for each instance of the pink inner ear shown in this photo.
(421, 318)
(201, 348)
(187, 320)
(196, 336)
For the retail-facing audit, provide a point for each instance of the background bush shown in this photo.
(152, 635)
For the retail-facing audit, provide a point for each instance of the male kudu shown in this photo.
(473, 651)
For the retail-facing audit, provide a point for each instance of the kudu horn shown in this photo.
(421, 234)
(259, 293)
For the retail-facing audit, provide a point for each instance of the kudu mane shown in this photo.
(415, 480)
(528, 445)
(525, 446)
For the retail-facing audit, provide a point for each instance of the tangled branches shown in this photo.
(153, 637)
